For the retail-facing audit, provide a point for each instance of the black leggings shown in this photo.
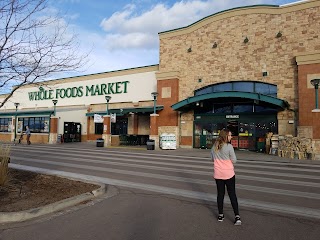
(231, 188)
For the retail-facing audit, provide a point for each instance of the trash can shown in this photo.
(150, 144)
(100, 142)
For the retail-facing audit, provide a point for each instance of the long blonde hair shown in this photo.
(222, 139)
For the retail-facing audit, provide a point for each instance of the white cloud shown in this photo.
(130, 37)
(128, 28)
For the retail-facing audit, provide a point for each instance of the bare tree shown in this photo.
(33, 45)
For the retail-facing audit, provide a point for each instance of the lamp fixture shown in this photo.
(315, 82)
(189, 49)
(154, 95)
(246, 40)
(215, 45)
(279, 35)
(54, 106)
(108, 98)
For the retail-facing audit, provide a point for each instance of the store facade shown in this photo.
(247, 69)
(71, 109)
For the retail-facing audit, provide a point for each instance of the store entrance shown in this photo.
(72, 132)
(247, 133)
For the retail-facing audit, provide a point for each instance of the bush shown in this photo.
(4, 161)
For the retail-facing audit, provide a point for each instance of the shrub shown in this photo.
(4, 162)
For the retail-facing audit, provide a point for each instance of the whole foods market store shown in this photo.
(249, 115)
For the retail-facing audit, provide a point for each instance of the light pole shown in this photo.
(15, 121)
(315, 83)
(54, 106)
(154, 95)
(108, 98)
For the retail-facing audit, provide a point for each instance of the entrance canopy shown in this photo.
(28, 113)
(189, 103)
(123, 111)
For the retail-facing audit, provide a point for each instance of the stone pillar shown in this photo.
(154, 135)
(13, 128)
(53, 135)
(106, 130)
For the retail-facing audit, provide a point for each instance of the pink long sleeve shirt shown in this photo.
(223, 161)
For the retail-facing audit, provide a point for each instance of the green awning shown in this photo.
(27, 113)
(123, 111)
(188, 103)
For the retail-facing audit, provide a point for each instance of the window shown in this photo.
(241, 86)
(243, 108)
(266, 89)
(120, 127)
(223, 87)
(36, 124)
(98, 128)
(222, 108)
(5, 124)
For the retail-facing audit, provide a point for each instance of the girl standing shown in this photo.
(223, 158)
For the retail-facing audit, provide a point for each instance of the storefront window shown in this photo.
(36, 124)
(98, 128)
(5, 124)
(120, 127)
(242, 108)
(222, 108)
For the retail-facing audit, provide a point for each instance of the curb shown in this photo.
(10, 217)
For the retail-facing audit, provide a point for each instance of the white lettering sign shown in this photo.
(232, 116)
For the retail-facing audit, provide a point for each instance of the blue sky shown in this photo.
(124, 33)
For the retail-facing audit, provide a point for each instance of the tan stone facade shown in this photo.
(213, 50)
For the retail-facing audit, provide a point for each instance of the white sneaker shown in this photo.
(237, 221)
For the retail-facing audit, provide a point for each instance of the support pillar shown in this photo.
(154, 135)
(106, 130)
(53, 135)
(135, 124)
(13, 124)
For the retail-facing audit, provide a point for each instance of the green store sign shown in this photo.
(81, 91)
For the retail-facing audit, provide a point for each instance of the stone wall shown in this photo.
(296, 147)
(190, 51)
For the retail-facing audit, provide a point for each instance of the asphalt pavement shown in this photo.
(132, 213)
